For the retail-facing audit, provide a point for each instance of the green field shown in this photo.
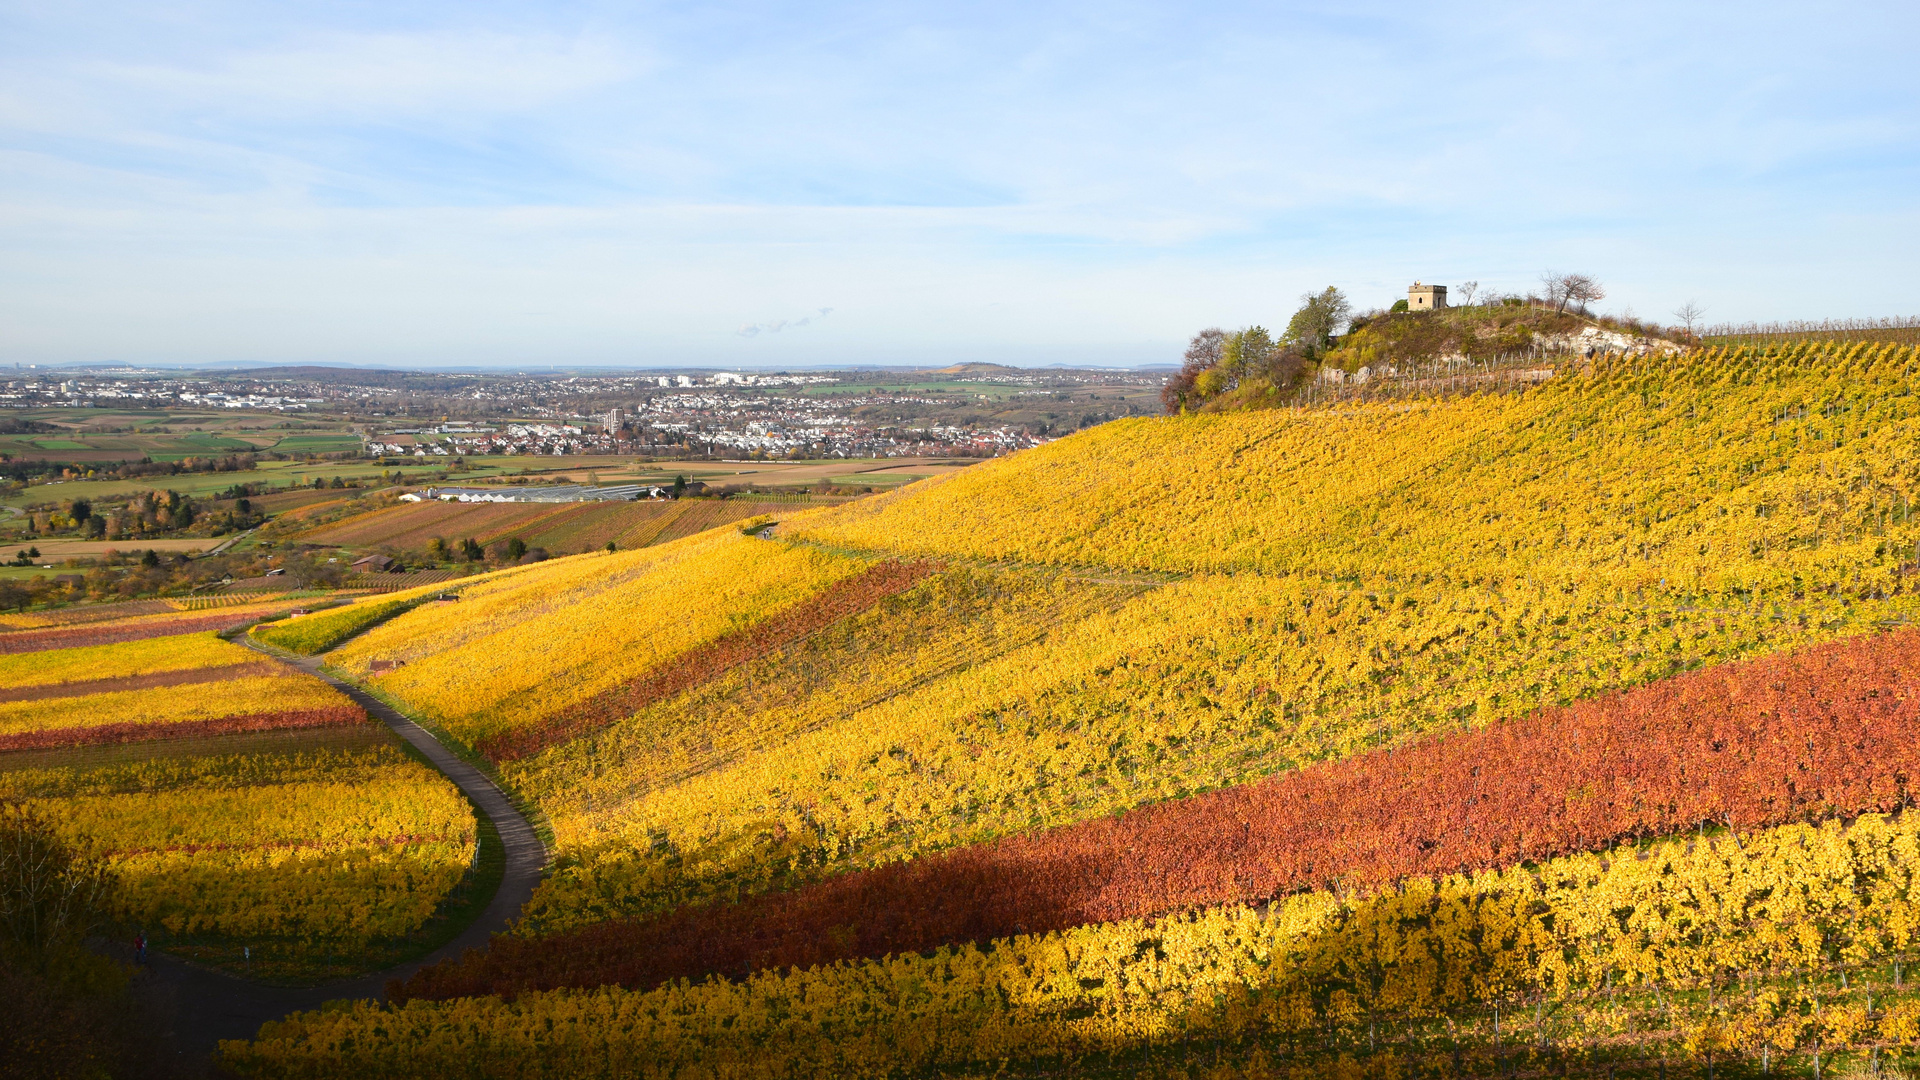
(317, 443)
(876, 472)
(94, 436)
(277, 473)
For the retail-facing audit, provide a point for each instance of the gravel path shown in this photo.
(210, 1005)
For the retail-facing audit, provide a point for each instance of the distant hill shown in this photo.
(973, 369)
(345, 376)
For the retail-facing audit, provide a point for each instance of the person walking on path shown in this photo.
(140, 948)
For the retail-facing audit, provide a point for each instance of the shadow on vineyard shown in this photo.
(72, 1008)
(306, 962)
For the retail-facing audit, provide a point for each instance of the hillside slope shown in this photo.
(1717, 473)
(1143, 613)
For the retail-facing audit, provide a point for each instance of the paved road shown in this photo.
(210, 1006)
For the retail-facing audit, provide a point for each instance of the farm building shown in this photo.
(557, 494)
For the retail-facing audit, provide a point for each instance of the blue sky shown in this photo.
(768, 185)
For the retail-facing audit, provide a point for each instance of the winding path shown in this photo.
(211, 1005)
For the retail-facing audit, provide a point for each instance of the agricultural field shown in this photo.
(102, 435)
(255, 818)
(156, 688)
(560, 528)
(1562, 730)
(277, 474)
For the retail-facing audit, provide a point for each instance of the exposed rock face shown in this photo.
(1592, 340)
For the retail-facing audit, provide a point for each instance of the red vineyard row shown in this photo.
(105, 734)
(849, 596)
(1757, 743)
(72, 637)
(140, 682)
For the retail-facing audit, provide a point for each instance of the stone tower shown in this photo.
(1426, 297)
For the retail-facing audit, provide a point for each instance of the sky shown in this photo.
(789, 185)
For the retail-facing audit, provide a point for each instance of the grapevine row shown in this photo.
(1309, 971)
(846, 597)
(138, 731)
(1755, 743)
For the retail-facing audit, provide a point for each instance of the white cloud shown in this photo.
(756, 329)
(383, 76)
(525, 182)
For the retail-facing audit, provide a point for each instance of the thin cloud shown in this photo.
(756, 329)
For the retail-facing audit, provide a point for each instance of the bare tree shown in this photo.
(1565, 289)
(1468, 290)
(1689, 314)
(1583, 290)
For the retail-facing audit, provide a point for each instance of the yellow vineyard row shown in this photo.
(278, 693)
(152, 656)
(512, 652)
(1317, 964)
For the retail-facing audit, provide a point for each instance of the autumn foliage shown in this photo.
(151, 681)
(70, 637)
(846, 597)
(142, 731)
(1750, 744)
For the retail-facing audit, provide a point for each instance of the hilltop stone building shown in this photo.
(1426, 297)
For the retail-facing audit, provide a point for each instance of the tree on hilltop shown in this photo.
(1689, 314)
(1202, 353)
(1320, 317)
(1577, 289)
(1219, 363)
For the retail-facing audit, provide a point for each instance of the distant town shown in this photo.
(973, 410)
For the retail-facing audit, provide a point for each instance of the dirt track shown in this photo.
(210, 1005)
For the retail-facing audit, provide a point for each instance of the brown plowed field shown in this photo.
(412, 525)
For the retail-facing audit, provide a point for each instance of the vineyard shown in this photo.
(316, 633)
(1761, 922)
(303, 852)
(1905, 331)
(1757, 743)
(125, 609)
(1720, 473)
(141, 627)
(520, 647)
(157, 688)
(1565, 730)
